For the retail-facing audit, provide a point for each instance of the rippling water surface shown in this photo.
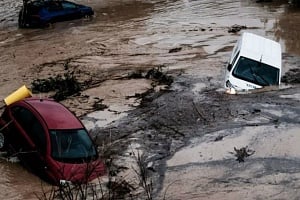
(165, 24)
(175, 17)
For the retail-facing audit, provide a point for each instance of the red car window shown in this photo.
(31, 126)
(72, 145)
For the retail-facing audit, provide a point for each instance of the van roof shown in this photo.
(261, 49)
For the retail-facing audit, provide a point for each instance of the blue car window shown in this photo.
(67, 5)
(54, 6)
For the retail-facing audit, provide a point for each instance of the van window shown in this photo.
(256, 72)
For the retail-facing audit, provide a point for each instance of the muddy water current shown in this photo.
(133, 28)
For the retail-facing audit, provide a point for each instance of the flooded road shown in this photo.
(125, 36)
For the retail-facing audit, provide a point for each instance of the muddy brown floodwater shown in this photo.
(175, 128)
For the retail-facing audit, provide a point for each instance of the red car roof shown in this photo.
(55, 115)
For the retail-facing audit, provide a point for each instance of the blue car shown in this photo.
(40, 13)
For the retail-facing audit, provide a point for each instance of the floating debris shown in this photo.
(159, 76)
(219, 138)
(175, 50)
(236, 28)
(135, 75)
(155, 74)
(242, 153)
(292, 76)
(98, 105)
(255, 110)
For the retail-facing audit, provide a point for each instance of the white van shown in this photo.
(255, 62)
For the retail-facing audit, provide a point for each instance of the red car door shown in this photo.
(31, 139)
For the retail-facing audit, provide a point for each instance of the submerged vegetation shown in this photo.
(156, 74)
(66, 85)
(63, 86)
(106, 188)
(292, 76)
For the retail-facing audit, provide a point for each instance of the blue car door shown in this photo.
(55, 12)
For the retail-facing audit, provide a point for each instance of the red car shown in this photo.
(50, 141)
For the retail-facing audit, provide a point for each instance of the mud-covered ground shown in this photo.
(187, 130)
(189, 136)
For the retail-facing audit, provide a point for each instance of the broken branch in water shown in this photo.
(242, 153)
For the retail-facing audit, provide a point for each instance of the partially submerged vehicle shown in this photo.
(40, 13)
(50, 141)
(254, 63)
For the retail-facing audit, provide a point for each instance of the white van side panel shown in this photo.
(235, 50)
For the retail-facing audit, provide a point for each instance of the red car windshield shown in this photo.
(72, 146)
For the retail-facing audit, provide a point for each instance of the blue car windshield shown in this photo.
(72, 145)
(256, 72)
